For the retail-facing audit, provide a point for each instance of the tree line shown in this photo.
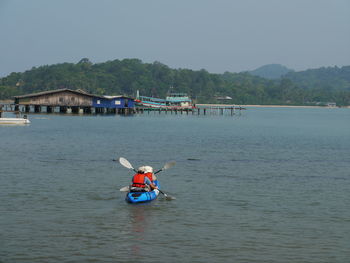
(125, 77)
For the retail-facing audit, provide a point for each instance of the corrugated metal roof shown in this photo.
(54, 91)
(115, 97)
(79, 91)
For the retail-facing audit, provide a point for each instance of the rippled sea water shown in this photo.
(266, 185)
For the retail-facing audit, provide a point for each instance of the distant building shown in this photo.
(60, 97)
(113, 102)
(73, 100)
(331, 104)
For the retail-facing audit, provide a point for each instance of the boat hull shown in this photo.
(14, 121)
(172, 101)
(142, 197)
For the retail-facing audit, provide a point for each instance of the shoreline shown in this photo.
(284, 106)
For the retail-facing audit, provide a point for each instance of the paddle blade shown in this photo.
(124, 189)
(168, 165)
(125, 163)
(167, 197)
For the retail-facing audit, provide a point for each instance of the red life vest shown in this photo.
(138, 180)
(149, 175)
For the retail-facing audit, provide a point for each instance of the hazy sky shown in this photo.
(216, 35)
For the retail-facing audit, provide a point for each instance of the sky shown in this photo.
(215, 35)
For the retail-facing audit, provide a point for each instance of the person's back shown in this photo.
(141, 182)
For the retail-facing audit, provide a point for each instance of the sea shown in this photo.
(264, 185)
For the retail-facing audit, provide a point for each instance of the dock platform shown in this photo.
(198, 109)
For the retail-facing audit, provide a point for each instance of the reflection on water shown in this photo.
(139, 224)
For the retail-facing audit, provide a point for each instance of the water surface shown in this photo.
(269, 185)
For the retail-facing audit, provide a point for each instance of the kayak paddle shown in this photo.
(124, 189)
(166, 166)
(126, 163)
(167, 197)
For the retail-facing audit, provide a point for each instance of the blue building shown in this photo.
(113, 102)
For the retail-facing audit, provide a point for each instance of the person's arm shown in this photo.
(148, 181)
(153, 177)
(153, 186)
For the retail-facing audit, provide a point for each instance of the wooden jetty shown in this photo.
(199, 109)
(79, 102)
(206, 109)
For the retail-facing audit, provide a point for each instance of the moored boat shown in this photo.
(17, 121)
(14, 121)
(181, 100)
(150, 102)
(172, 101)
(142, 197)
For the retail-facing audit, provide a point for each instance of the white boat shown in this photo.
(14, 121)
(18, 120)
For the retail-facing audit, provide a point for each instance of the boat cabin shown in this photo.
(178, 99)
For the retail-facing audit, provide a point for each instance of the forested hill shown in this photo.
(154, 79)
(324, 78)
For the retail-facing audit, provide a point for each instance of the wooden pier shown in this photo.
(201, 109)
(67, 101)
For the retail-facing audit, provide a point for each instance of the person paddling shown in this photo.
(148, 170)
(141, 182)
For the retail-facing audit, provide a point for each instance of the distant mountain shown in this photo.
(271, 71)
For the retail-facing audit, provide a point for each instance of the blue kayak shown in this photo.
(142, 197)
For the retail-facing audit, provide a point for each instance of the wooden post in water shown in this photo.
(87, 110)
(37, 108)
(63, 109)
(48, 109)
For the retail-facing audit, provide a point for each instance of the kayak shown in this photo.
(142, 197)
